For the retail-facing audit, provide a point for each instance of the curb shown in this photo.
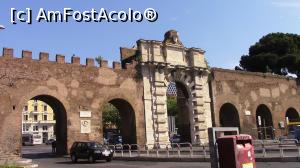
(278, 159)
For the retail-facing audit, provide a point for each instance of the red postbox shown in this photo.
(236, 151)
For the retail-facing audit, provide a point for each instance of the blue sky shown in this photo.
(225, 29)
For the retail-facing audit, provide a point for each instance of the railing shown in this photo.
(284, 148)
(175, 150)
(262, 148)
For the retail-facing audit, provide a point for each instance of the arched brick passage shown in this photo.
(292, 114)
(229, 116)
(61, 122)
(128, 127)
(264, 122)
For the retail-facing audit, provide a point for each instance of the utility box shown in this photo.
(236, 151)
(213, 134)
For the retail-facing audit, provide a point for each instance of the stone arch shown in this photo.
(127, 113)
(172, 63)
(61, 121)
(292, 114)
(184, 112)
(59, 105)
(187, 122)
(184, 78)
(42, 91)
(264, 122)
(229, 116)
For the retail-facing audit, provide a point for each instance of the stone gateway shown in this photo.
(137, 87)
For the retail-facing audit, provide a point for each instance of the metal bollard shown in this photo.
(204, 151)
(138, 150)
(191, 150)
(264, 150)
(122, 153)
(157, 152)
(281, 150)
(147, 150)
(129, 150)
(178, 150)
(168, 153)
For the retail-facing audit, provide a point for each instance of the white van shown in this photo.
(37, 139)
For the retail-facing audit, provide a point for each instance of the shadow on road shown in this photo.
(40, 155)
(38, 152)
(36, 156)
(79, 162)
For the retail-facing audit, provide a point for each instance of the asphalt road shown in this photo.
(40, 156)
(36, 149)
(65, 163)
(270, 153)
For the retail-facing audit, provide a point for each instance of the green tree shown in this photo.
(111, 116)
(276, 52)
(99, 59)
(172, 108)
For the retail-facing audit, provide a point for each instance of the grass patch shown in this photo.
(12, 165)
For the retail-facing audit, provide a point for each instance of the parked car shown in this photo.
(114, 139)
(175, 139)
(27, 139)
(90, 150)
(49, 141)
(105, 141)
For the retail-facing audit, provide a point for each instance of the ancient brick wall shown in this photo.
(246, 91)
(76, 87)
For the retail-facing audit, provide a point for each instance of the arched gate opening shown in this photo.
(44, 119)
(119, 124)
(229, 116)
(291, 114)
(264, 122)
(179, 107)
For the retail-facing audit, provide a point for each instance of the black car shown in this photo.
(49, 141)
(90, 150)
(175, 139)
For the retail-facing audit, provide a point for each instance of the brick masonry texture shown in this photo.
(77, 87)
(247, 90)
(72, 87)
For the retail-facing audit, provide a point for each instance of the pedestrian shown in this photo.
(53, 146)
